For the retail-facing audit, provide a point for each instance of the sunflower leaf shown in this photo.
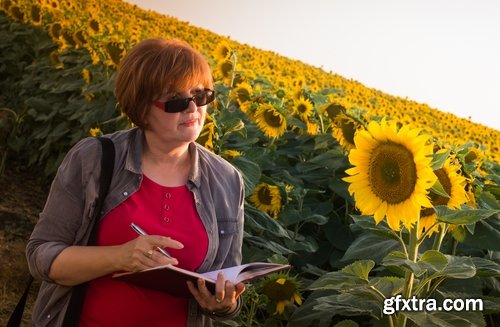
(456, 267)
(360, 268)
(399, 259)
(438, 159)
(433, 261)
(445, 319)
(486, 235)
(369, 246)
(352, 276)
(485, 267)
(438, 189)
(463, 216)
(389, 286)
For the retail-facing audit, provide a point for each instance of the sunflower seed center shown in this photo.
(392, 172)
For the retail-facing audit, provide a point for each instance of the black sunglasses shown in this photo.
(177, 105)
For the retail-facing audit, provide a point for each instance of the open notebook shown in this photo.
(172, 279)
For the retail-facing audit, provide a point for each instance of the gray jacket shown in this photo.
(66, 218)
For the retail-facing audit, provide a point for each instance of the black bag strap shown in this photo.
(17, 314)
(73, 312)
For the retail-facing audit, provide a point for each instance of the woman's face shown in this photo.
(180, 127)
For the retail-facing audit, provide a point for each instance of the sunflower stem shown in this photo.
(410, 276)
(438, 240)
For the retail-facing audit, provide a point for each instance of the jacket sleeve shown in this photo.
(70, 200)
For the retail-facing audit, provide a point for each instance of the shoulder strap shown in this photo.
(72, 316)
(17, 314)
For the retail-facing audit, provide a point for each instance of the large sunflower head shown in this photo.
(392, 173)
(270, 121)
(454, 185)
(267, 198)
(282, 289)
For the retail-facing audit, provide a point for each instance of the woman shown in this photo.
(187, 199)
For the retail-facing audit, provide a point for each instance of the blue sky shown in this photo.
(445, 53)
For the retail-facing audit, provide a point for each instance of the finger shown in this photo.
(220, 291)
(192, 288)
(203, 296)
(166, 242)
(153, 258)
(239, 289)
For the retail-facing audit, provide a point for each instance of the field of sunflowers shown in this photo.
(369, 196)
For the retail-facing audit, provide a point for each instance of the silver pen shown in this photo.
(140, 231)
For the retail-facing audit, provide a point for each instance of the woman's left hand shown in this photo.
(225, 298)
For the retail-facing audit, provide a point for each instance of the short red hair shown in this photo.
(153, 67)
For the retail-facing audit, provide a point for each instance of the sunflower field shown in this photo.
(372, 198)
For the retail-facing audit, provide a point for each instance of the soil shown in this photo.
(22, 197)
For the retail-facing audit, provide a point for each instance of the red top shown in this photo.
(159, 210)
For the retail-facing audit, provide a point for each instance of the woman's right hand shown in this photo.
(142, 253)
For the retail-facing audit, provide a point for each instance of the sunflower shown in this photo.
(230, 154)
(303, 108)
(267, 198)
(242, 93)
(333, 110)
(222, 51)
(343, 130)
(114, 52)
(206, 137)
(225, 68)
(282, 289)
(95, 131)
(94, 25)
(36, 15)
(270, 120)
(55, 30)
(454, 185)
(87, 76)
(391, 174)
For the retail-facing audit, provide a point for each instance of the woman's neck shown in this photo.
(165, 164)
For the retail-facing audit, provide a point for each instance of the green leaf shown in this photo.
(438, 189)
(457, 267)
(250, 171)
(389, 286)
(485, 267)
(462, 216)
(399, 259)
(488, 201)
(438, 159)
(486, 235)
(433, 261)
(446, 319)
(360, 268)
(266, 244)
(255, 219)
(369, 246)
(349, 304)
(346, 323)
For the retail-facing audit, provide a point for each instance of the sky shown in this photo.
(444, 53)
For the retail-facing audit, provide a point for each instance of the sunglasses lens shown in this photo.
(204, 97)
(200, 99)
(176, 105)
